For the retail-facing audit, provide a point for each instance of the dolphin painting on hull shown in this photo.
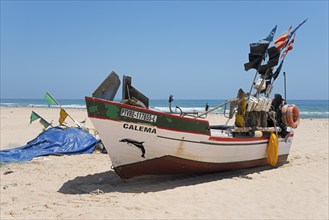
(136, 144)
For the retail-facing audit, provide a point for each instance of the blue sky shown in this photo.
(192, 49)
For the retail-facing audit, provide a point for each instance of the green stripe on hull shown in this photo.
(121, 112)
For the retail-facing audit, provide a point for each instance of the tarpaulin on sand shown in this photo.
(54, 141)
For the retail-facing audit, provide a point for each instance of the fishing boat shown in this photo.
(141, 141)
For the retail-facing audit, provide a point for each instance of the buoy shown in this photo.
(272, 150)
(290, 115)
(293, 116)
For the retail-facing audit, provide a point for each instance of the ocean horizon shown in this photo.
(307, 108)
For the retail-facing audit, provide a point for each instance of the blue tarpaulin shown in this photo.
(54, 141)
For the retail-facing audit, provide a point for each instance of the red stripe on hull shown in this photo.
(169, 165)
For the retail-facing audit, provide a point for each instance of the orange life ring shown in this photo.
(290, 115)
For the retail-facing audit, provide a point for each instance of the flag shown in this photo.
(291, 33)
(258, 48)
(254, 62)
(262, 69)
(44, 123)
(269, 38)
(290, 46)
(273, 60)
(34, 116)
(50, 99)
(277, 71)
(282, 40)
(62, 116)
(257, 51)
(274, 55)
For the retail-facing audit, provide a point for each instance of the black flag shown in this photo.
(273, 60)
(277, 71)
(274, 55)
(257, 51)
(262, 69)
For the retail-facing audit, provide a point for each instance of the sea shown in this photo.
(307, 108)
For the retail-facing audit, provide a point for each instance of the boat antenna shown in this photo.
(171, 99)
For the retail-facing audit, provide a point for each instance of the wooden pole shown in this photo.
(217, 107)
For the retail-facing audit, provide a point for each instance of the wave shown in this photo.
(308, 109)
(70, 106)
(78, 106)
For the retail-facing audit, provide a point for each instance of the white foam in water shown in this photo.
(191, 109)
(9, 104)
(307, 114)
(38, 105)
(161, 109)
(74, 106)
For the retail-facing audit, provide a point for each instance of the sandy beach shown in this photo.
(85, 186)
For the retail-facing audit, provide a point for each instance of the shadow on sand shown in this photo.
(109, 181)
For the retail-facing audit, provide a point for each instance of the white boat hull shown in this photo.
(170, 151)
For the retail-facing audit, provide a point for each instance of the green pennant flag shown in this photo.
(50, 99)
(44, 123)
(34, 116)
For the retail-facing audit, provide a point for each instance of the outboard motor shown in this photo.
(277, 103)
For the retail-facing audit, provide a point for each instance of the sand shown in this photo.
(85, 186)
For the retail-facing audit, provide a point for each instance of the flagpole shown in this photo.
(280, 66)
(47, 93)
(41, 118)
(64, 110)
(293, 31)
(46, 121)
(252, 84)
(213, 109)
(72, 118)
